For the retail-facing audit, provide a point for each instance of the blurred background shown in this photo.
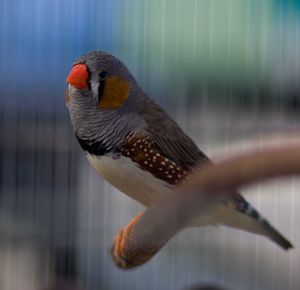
(227, 71)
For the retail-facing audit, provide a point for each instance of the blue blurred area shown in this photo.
(39, 40)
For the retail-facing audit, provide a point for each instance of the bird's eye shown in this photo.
(103, 75)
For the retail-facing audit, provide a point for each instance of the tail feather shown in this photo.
(249, 219)
(275, 236)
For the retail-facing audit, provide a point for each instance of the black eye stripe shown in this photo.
(102, 77)
(100, 89)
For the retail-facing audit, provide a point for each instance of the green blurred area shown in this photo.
(227, 45)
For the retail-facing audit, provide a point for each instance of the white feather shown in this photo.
(141, 185)
(129, 178)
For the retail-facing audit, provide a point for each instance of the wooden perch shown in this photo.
(148, 232)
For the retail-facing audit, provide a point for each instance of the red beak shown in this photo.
(78, 77)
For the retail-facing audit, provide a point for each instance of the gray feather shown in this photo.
(169, 138)
(140, 114)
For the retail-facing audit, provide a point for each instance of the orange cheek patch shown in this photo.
(115, 93)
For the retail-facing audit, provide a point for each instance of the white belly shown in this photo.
(140, 185)
(129, 178)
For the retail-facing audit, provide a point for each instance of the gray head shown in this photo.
(102, 77)
(100, 89)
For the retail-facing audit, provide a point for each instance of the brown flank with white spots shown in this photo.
(142, 150)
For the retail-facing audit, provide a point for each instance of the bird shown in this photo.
(134, 144)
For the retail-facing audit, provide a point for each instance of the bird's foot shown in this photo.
(122, 255)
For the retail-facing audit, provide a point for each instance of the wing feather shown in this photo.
(169, 138)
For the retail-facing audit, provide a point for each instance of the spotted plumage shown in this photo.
(142, 151)
(136, 146)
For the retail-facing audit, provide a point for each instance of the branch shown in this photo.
(147, 233)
